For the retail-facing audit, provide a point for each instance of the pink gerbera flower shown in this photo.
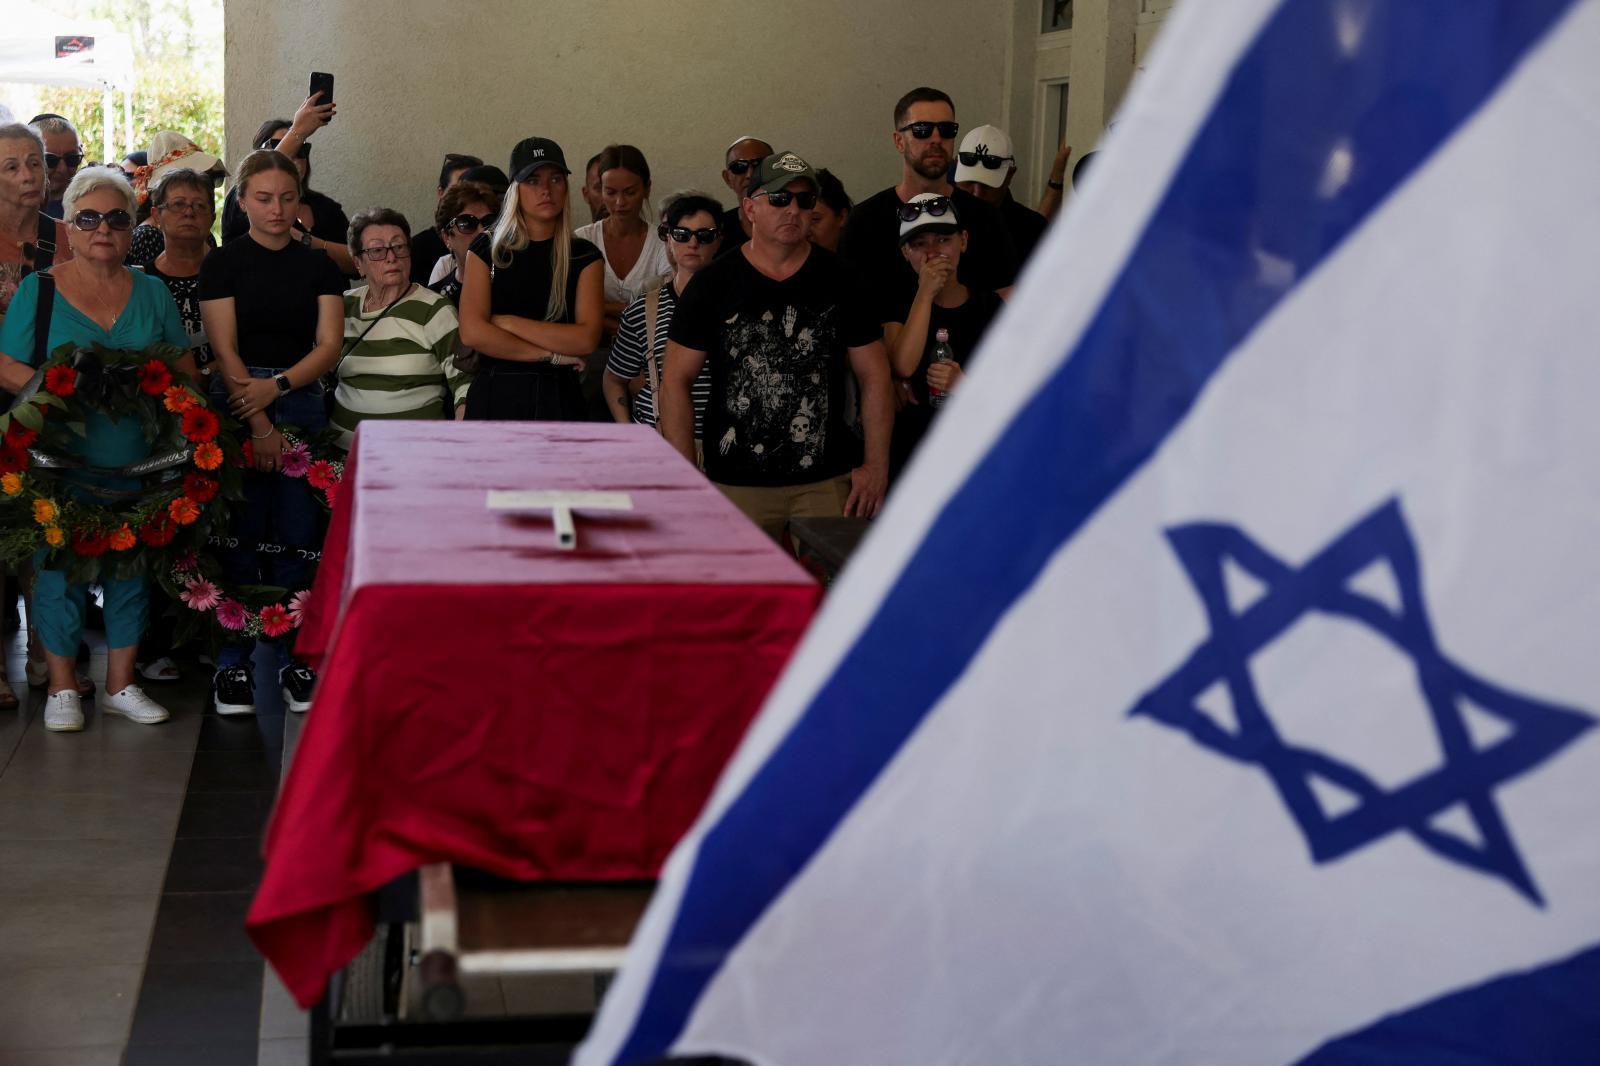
(274, 620)
(296, 460)
(232, 615)
(187, 561)
(297, 607)
(200, 594)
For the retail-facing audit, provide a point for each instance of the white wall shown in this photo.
(418, 78)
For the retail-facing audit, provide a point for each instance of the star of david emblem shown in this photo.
(1470, 772)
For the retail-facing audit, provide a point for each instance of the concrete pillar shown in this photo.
(1103, 41)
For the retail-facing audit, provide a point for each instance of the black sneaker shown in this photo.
(297, 682)
(233, 690)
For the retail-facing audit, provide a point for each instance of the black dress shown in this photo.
(505, 390)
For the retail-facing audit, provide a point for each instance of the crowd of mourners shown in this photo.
(796, 346)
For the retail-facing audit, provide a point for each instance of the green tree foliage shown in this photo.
(177, 45)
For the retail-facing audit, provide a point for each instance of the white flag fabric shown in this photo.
(1219, 687)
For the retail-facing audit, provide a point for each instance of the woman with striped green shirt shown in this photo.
(400, 337)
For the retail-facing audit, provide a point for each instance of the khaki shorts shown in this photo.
(772, 507)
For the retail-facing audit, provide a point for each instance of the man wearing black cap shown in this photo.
(925, 132)
(782, 322)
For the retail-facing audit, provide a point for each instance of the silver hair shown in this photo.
(16, 131)
(93, 179)
(55, 124)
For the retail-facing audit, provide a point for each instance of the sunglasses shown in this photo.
(465, 223)
(72, 159)
(973, 159)
(89, 221)
(744, 166)
(923, 130)
(934, 207)
(682, 234)
(273, 142)
(781, 198)
(380, 253)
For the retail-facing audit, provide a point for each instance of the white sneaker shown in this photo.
(63, 712)
(133, 704)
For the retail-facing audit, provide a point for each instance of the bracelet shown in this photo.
(1057, 185)
(263, 436)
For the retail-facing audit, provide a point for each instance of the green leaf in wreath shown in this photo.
(29, 416)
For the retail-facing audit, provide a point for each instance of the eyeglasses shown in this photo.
(992, 162)
(72, 159)
(466, 223)
(89, 221)
(743, 166)
(923, 130)
(382, 252)
(186, 207)
(781, 198)
(681, 234)
(934, 207)
(273, 142)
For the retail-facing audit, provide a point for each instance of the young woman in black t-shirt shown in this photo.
(273, 310)
(532, 298)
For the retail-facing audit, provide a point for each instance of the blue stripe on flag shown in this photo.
(1550, 1014)
(1255, 178)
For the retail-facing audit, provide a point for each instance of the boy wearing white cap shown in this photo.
(985, 165)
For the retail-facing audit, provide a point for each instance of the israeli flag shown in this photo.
(1221, 685)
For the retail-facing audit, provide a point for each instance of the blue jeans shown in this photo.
(276, 510)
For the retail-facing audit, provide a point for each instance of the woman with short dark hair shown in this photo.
(467, 209)
(400, 337)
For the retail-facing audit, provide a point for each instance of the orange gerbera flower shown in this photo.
(183, 510)
(11, 484)
(178, 399)
(208, 456)
(123, 539)
(53, 536)
(44, 512)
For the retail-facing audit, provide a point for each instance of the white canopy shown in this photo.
(40, 47)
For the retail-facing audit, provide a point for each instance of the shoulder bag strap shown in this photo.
(42, 308)
(333, 375)
(45, 257)
(652, 308)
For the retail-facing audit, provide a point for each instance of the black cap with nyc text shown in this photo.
(777, 171)
(531, 153)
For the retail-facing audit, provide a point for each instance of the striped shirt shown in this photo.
(627, 359)
(403, 367)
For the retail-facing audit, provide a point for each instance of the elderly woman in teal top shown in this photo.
(97, 300)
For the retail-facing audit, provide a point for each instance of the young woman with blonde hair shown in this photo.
(532, 298)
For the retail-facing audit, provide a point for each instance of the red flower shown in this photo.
(91, 543)
(199, 424)
(60, 381)
(13, 459)
(275, 620)
(154, 377)
(332, 493)
(199, 488)
(159, 530)
(183, 510)
(321, 474)
(20, 435)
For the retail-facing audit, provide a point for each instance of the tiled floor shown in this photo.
(128, 857)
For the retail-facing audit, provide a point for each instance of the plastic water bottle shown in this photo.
(941, 354)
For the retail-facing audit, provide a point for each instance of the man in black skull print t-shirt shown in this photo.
(781, 323)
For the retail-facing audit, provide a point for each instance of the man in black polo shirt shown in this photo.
(925, 132)
(782, 323)
(737, 161)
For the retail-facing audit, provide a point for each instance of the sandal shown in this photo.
(162, 671)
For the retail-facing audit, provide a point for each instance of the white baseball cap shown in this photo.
(985, 144)
(930, 213)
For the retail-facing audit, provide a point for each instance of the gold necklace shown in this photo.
(106, 307)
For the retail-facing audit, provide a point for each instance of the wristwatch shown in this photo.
(305, 235)
(284, 388)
